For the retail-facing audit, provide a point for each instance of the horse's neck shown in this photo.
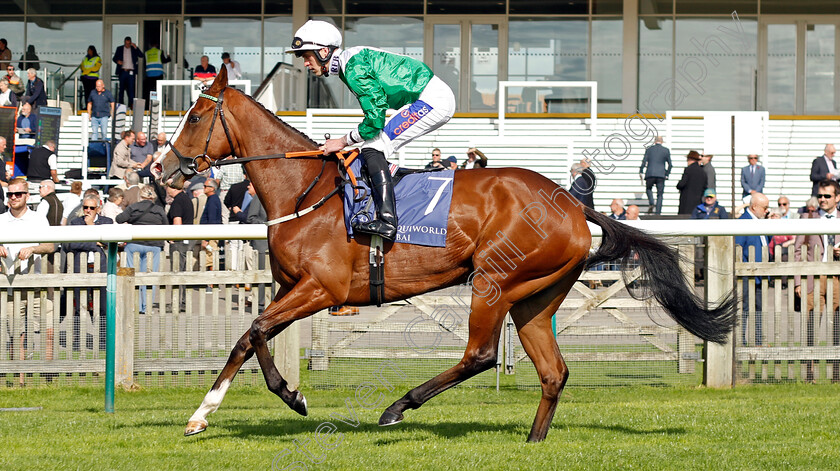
(280, 182)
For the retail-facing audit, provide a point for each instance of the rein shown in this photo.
(189, 166)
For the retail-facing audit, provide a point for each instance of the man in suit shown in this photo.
(824, 168)
(658, 162)
(126, 57)
(692, 184)
(752, 176)
(758, 209)
(583, 183)
(828, 245)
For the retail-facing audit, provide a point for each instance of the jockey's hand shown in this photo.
(333, 145)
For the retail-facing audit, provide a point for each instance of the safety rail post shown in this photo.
(719, 275)
(111, 307)
(287, 354)
(124, 325)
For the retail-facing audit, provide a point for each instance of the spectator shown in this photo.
(212, 215)
(752, 176)
(78, 211)
(436, 162)
(90, 217)
(122, 156)
(155, 58)
(784, 209)
(617, 207)
(71, 200)
(43, 163)
(199, 199)
(757, 210)
(709, 170)
(236, 202)
(29, 60)
(90, 66)
(131, 194)
(27, 123)
(141, 155)
(657, 159)
(143, 213)
(20, 219)
(126, 57)
(228, 176)
(5, 53)
(158, 144)
(204, 72)
(36, 94)
(4, 180)
(475, 158)
(709, 208)
(7, 96)
(50, 206)
(258, 247)
(100, 106)
(234, 70)
(783, 241)
(112, 208)
(583, 183)
(828, 246)
(180, 213)
(692, 184)
(811, 206)
(824, 168)
(15, 83)
(632, 213)
(452, 162)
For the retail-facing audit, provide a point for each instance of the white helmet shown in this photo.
(314, 35)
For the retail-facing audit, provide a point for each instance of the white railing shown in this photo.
(128, 233)
(593, 98)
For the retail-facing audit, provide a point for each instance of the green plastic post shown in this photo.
(111, 313)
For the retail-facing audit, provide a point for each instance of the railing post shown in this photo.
(124, 325)
(287, 354)
(685, 341)
(719, 274)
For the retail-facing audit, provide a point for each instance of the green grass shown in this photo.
(789, 426)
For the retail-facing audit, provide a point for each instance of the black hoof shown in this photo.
(390, 418)
(299, 405)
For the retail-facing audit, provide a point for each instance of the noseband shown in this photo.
(189, 166)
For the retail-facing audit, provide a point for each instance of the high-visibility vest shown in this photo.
(89, 63)
(154, 67)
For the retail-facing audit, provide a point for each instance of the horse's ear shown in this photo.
(221, 80)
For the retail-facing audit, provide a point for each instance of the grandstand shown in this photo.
(550, 145)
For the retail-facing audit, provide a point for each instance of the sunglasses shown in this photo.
(435, 155)
(820, 196)
(90, 207)
(209, 186)
(783, 204)
(17, 194)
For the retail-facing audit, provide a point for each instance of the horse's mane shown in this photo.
(285, 124)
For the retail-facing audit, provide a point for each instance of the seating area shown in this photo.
(549, 146)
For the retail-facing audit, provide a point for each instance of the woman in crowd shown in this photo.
(90, 71)
(7, 96)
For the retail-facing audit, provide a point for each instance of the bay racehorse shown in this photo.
(521, 241)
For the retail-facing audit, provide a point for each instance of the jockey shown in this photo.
(380, 80)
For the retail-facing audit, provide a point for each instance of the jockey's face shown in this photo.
(311, 62)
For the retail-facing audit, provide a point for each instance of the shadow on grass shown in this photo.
(625, 429)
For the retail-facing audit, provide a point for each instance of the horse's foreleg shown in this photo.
(485, 326)
(241, 352)
(306, 298)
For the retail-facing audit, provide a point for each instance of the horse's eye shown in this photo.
(194, 119)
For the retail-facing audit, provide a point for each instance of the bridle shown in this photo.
(189, 166)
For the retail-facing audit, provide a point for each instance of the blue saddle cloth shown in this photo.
(423, 201)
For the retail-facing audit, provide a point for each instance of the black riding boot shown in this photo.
(382, 190)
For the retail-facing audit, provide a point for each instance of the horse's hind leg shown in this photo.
(485, 324)
(533, 321)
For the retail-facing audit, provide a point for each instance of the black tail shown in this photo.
(660, 267)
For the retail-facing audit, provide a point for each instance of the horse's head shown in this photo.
(202, 137)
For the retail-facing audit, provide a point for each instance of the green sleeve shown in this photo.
(360, 79)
